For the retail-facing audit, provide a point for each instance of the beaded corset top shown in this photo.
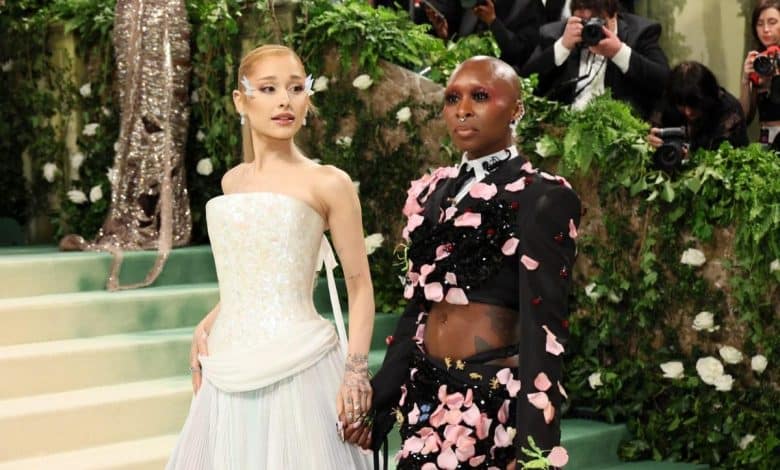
(265, 248)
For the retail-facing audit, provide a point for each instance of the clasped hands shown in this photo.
(353, 402)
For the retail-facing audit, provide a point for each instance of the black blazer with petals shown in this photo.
(548, 209)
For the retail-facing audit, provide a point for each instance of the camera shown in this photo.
(766, 63)
(669, 155)
(592, 31)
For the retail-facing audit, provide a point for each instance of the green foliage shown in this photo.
(637, 310)
(362, 35)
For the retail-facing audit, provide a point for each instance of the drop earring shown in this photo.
(243, 119)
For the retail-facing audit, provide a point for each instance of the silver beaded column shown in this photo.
(149, 202)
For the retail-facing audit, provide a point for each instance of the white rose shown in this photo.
(204, 167)
(709, 369)
(8, 66)
(362, 82)
(77, 196)
(403, 114)
(76, 160)
(86, 90)
(693, 257)
(49, 171)
(673, 369)
(373, 242)
(106, 112)
(111, 174)
(590, 291)
(758, 363)
(194, 97)
(594, 380)
(321, 84)
(200, 136)
(344, 141)
(746, 440)
(724, 383)
(96, 193)
(730, 355)
(90, 129)
(774, 266)
(705, 321)
(614, 297)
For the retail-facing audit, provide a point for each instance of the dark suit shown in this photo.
(516, 28)
(641, 86)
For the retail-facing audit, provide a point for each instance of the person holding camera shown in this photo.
(760, 89)
(696, 113)
(599, 48)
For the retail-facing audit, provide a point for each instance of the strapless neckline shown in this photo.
(288, 197)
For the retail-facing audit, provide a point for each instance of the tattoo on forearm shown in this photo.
(357, 363)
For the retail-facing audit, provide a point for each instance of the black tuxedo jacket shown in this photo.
(546, 209)
(642, 85)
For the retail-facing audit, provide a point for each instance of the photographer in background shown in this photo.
(599, 48)
(709, 114)
(760, 87)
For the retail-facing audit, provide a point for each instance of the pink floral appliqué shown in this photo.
(505, 377)
(529, 263)
(510, 246)
(469, 219)
(483, 191)
(552, 345)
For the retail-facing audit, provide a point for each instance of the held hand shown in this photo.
(354, 398)
(572, 35)
(440, 26)
(486, 13)
(609, 46)
(653, 139)
(199, 348)
(358, 433)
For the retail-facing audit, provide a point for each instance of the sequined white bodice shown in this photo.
(265, 248)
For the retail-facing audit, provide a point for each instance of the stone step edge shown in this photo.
(93, 343)
(94, 396)
(90, 296)
(117, 455)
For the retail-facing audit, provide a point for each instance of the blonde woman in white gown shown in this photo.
(269, 373)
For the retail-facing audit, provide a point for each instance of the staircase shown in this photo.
(96, 380)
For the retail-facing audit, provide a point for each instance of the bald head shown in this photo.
(494, 70)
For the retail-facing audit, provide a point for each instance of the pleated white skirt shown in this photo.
(288, 425)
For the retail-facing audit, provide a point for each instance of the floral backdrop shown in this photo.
(675, 317)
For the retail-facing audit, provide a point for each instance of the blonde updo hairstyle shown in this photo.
(250, 59)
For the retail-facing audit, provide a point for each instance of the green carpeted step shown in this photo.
(591, 443)
(40, 271)
(68, 421)
(142, 454)
(652, 465)
(58, 366)
(87, 314)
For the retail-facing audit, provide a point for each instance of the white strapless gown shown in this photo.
(268, 399)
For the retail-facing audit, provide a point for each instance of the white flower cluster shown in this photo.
(373, 242)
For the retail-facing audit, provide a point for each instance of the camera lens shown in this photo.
(764, 65)
(592, 32)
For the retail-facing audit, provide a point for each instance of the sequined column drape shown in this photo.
(149, 202)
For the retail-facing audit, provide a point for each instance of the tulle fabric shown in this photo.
(289, 425)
